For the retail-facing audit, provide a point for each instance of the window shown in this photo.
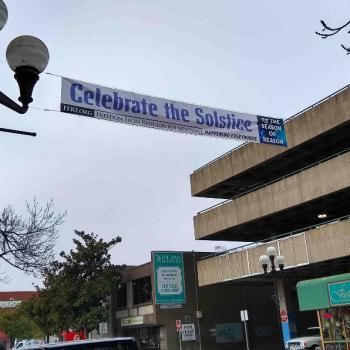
(142, 290)
(121, 296)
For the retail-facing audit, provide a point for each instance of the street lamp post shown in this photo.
(270, 263)
(27, 56)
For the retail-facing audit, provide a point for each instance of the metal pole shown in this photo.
(246, 334)
(20, 132)
(196, 292)
(180, 340)
(277, 302)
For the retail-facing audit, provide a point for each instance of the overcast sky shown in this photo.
(252, 56)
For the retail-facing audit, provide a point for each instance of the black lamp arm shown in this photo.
(7, 102)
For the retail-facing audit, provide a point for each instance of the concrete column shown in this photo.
(129, 300)
(283, 310)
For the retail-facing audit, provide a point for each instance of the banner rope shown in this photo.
(44, 109)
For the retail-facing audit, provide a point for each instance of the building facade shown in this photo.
(144, 309)
(330, 298)
(295, 199)
(9, 300)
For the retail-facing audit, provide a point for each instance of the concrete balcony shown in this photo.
(288, 204)
(323, 247)
(316, 133)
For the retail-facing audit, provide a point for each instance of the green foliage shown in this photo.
(18, 325)
(76, 289)
(41, 310)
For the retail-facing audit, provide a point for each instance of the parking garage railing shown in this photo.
(265, 184)
(274, 238)
(286, 121)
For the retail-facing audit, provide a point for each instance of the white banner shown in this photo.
(120, 106)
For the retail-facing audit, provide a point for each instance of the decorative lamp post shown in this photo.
(270, 262)
(27, 56)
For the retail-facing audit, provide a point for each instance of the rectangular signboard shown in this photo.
(188, 332)
(244, 315)
(228, 332)
(126, 107)
(169, 278)
(103, 327)
(339, 293)
(9, 303)
(132, 321)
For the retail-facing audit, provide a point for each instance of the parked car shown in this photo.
(26, 343)
(311, 340)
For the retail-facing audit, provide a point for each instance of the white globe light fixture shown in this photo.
(280, 261)
(27, 51)
(271, 260)
(3, 14)
(271, 251)
(27, 56)
(264, 261)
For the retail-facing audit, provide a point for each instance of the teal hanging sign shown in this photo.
(169, 278)
(339, 293)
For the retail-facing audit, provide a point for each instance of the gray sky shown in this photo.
(251, 56)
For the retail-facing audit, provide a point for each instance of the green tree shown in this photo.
(18, 325)
(76, 289)
(40, 309)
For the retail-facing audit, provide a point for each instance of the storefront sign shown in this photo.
(339, 293)
(126, 107)
(9, 303)
(169, 278)
(188, 332)
(131, 321)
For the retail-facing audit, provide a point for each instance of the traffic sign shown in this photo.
(178, 325)
(284, 316)
(244, 315)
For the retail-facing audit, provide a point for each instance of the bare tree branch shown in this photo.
(328, 31)
(27, 244)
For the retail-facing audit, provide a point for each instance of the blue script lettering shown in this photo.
(73, 89)
(79, 94)
(228, 121)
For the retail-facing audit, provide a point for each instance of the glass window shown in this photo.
(142, 290)
(149, 338)
(121, 296)
(335, 323)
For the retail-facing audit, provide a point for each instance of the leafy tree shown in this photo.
(328, 31)
(40, 310)
(27, 243)
(18, 325)
(76, 289)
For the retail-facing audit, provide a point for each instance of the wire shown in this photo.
(44, 109)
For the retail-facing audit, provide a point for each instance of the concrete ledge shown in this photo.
(334, 175)
(313, 122)
(327, 242)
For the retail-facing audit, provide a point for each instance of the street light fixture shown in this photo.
(27, 56)
(270, 262)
